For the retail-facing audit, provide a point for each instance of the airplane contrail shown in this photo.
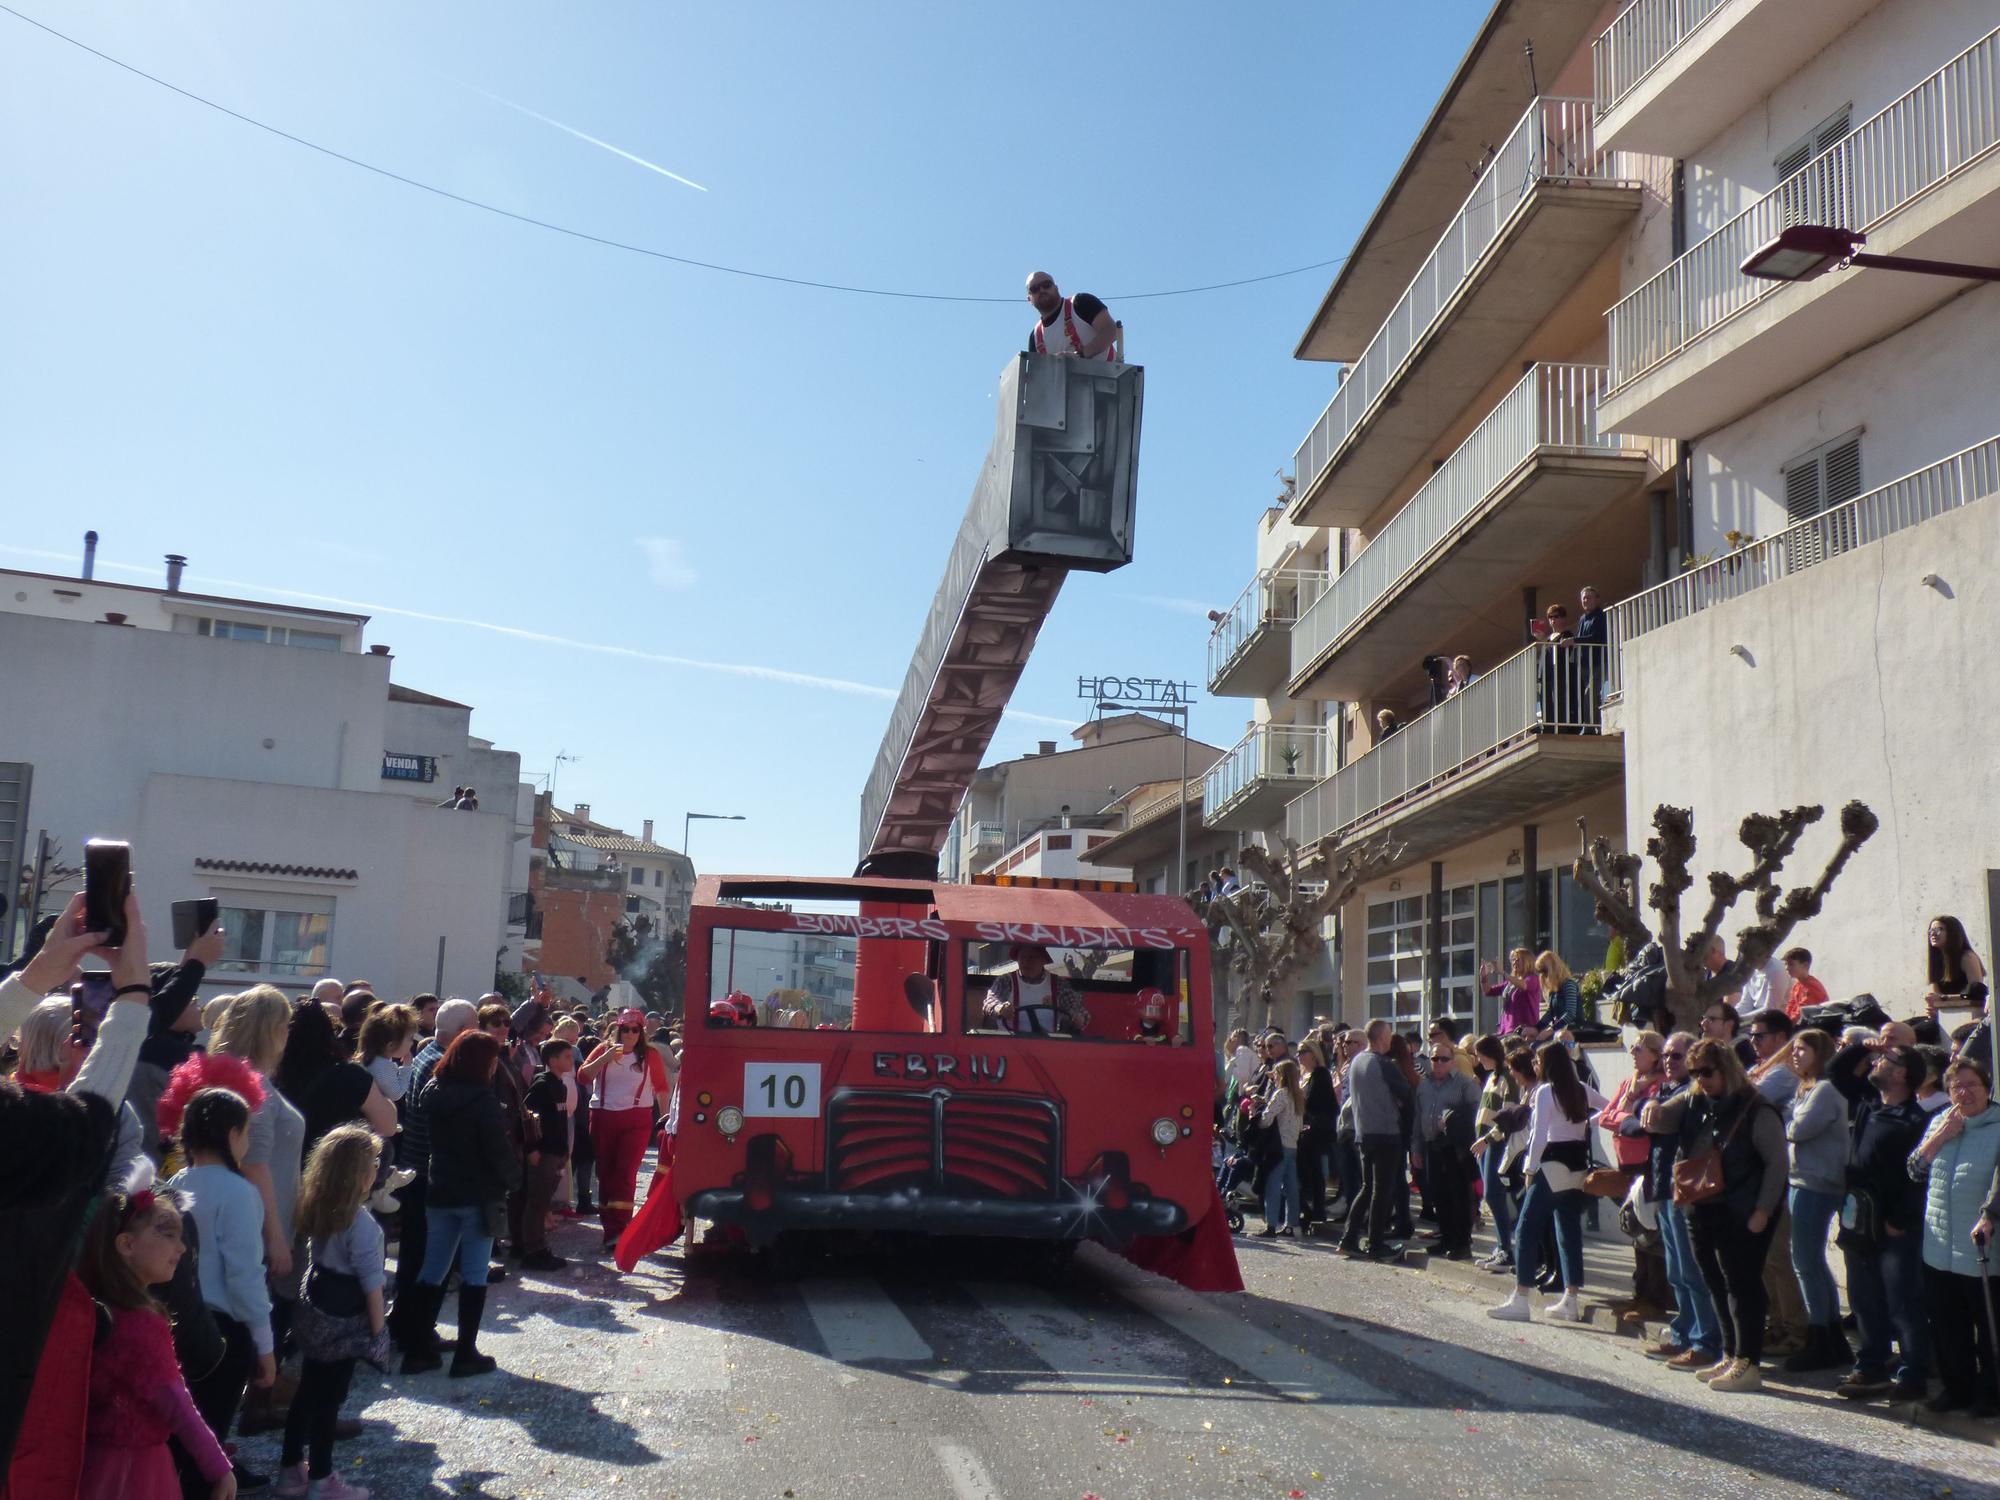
(515, 632)
(584, 136)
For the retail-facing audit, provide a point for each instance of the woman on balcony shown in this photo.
(1520, 991)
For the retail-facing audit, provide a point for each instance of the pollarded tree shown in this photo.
(1274, 933)
(1612, 878)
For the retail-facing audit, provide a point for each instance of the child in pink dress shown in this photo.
(138, 1398)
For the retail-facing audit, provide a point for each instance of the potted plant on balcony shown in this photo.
(1290, 754)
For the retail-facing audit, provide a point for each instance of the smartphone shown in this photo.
(107, 880)
(94, 993)
(193, 918)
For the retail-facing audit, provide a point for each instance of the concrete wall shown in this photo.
(421, 874)
(83, 601)
(1861, 681)
(1920, 395)
(98, 709)
(1871, 65)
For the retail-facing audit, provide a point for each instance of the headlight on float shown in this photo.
(729, 1119)
(1165, 1133)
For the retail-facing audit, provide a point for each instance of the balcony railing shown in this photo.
(1292, 752)
(1543, 690)
(1644, 34)
(1932, 132)
(1274, 598)
(1552, 406)
(1554, 141)
(1945, 486)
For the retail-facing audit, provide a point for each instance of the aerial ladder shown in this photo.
(1055, 497)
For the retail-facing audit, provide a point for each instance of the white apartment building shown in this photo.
(1457, 485)
(259, 754)
(1830, 636)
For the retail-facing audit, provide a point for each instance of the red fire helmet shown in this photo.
(1152, 1005)
(721, 1013)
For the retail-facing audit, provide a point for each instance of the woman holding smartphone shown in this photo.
(626, 1076)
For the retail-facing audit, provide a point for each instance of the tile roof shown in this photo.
(256, 867)
(617, 843)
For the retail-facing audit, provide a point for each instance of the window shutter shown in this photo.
(1814, 198)
(1841, 483)
(1802, 490)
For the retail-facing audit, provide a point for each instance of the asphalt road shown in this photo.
(954, 1372)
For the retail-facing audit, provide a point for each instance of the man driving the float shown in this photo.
(1034, 1002)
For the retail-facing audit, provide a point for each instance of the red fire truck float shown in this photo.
(920, 1098)
(917, 1109)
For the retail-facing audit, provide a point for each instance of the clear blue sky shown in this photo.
(308, 378)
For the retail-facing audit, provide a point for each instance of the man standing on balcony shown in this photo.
(1078, 327)
(1593, 626)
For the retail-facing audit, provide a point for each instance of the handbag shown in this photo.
(1606, 1182)
(1698, 1179)
(330, 1322)
(1860, 1220)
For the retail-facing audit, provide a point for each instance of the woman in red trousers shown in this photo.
(626, 1075)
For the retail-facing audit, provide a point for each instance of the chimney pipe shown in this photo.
(1045, 747)
(378, 650)
(647, 835)
(176, 564)
(583, 812)
(90, 554)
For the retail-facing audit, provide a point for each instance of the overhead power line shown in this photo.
(605, 240)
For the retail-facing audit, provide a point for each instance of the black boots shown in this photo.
(1826, 1349)
(421, 1350)
(467, 1360)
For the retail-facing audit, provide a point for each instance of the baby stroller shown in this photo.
(1233, 1174)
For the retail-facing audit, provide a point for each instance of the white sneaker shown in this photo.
(1568, 1310)
(1513, 1310)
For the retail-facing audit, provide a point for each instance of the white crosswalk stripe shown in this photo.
(1508, 1383)
(857, 1320)
(1078, 1353)
(969, 1479)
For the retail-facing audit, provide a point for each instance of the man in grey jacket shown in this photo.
(1441, 1143)
(1382, 1099)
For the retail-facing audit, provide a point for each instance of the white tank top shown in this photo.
(1067, 333)
(625, 1083)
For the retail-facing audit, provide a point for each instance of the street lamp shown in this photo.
(1803, 252)
(687, 821)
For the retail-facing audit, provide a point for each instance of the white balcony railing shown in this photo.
(1944, 486)
(1543, 690)
(1932, 132)
(1644, 34)
(1293, 752)
(1274, 599)
(1554, 141)
(1553, 406)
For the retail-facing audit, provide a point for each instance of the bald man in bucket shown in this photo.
(1078, 327)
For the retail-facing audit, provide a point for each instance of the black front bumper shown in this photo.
(1075, 1216)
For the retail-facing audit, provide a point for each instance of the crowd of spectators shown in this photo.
(1739, 1160)
(202, 1200)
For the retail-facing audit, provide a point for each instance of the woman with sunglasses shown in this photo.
(1732, 1231)
(626, 1075)
(1557, 1157)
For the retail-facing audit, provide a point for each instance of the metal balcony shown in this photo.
(1701, 344)
(1247, 650)
(1530, 476)
(1520, 738)
(1249, 787)
(1672, 74)
(1542, 213)
(1947, 485)
(1056, 493)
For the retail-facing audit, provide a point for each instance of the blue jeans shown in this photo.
(460, 1233)
(1812, 1212)
(1885, 1287)
(1281, 1180)
(1539, 1206)
(1695, 1325)
(1498, 1199)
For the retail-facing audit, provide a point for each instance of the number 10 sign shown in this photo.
(780, 1089)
